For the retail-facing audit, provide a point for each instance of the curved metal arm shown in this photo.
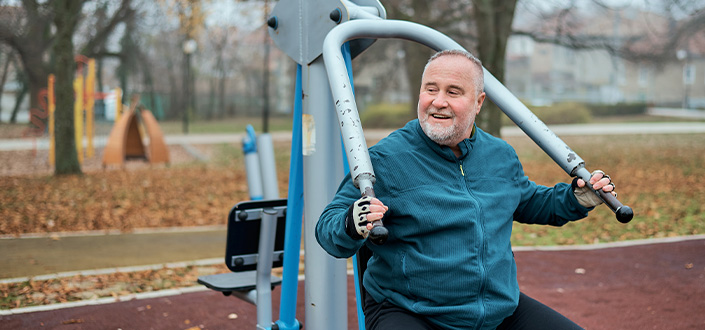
(349, 118)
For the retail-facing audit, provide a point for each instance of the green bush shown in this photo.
(621, 109)
(385, 115)
(561, 113)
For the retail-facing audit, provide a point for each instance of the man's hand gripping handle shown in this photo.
(623, 213)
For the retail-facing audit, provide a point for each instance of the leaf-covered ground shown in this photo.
(88, 287)
(659, 176)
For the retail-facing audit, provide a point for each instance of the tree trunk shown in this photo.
(18, 100)
(221, 94)
(493, 19)
(36, 71)
(67, 16)
(3, 78)
(210, 110)
(416, 56)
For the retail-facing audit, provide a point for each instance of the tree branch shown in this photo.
(94, 46)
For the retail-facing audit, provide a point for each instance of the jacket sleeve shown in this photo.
(539, 204)
(330, 228)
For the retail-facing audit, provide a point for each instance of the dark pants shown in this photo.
(529, 315)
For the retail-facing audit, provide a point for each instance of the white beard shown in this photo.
(443, 135)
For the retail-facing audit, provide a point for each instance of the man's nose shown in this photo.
(439, 101)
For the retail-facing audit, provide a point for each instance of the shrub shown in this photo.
(560, 113)
(621, 109)
(385, 115)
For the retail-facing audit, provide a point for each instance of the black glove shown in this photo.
(356, 220)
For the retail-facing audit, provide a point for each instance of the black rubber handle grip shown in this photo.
(623, 213)
(378, 234)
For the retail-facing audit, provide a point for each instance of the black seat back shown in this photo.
(243, 234)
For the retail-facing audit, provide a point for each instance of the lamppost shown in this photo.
(189, 46)
(682, 56)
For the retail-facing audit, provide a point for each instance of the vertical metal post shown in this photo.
(265, 150)
(326, 277)
(268, 229)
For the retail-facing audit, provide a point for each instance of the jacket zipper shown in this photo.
(481, 258)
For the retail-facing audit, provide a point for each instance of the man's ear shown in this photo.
(480, 100)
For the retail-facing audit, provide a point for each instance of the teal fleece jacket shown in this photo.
(448, 255)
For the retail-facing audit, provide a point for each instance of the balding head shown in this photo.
(478, 79)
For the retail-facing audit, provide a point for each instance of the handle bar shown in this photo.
(623, 213)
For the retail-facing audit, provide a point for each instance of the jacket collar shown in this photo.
(444, 151)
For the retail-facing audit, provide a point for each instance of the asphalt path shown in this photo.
(51, 254)
(42, 143)
(658, 285)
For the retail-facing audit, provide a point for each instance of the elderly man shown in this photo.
(448, 193)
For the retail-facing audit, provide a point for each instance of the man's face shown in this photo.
(449, 100)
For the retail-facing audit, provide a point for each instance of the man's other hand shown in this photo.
(586, 196)
(361, 213)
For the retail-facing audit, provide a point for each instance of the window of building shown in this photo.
(643, 77)
(689, 74)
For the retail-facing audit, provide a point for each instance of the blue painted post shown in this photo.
(294, 213)
(252, 165)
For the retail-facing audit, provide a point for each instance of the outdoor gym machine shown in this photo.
(324, 86)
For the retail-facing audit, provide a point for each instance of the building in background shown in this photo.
(544, 73)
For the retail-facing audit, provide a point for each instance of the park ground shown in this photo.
(659, 175)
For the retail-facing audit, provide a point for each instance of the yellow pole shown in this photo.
(78, 116)
(90, 103)
(118, 104)
(52, 107)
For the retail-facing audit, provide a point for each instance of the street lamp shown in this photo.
(688, 78)
(189, 47)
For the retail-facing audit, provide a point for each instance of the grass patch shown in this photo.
(657, 175)
(227, 125)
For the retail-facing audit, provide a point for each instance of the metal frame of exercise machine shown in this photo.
(324, 102)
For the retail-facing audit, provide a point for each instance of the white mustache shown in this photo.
(433, 111)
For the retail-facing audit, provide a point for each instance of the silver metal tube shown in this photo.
(326, 277)
(347, 110)
(343, 98)
(532, 125)
(268, 230)
(360, 12)
(254, 176)
(267, 163)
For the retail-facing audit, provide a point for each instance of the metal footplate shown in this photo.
(231, 282)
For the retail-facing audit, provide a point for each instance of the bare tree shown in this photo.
(66, 17)
(5, 71)
(651, 36)
(484, 26)
(27, 29)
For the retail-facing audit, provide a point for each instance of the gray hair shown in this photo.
(479, 78)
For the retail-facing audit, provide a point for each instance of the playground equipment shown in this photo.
(252, 167)
(260, 165)
(252, 264)
(126, 138)
(341, 30)
(84, 102)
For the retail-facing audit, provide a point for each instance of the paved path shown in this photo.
(28, 257)
(653, 286)
(560, 130)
